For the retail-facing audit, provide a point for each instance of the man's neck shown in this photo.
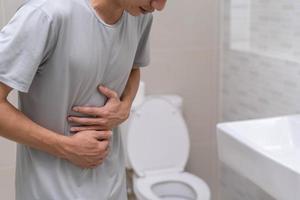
(110, 11)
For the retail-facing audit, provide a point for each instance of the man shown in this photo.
(57, 53)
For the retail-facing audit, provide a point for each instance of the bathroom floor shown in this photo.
(129, 174)
(131, 197)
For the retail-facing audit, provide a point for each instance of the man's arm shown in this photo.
(82, 149)
(14, 125)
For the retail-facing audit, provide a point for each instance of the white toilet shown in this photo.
(157, 148)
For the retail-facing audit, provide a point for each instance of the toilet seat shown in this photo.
(144, 186)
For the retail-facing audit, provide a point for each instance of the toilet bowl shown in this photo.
(157, 147)
(172, 186)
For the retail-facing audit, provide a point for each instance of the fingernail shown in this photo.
(70, 118)
(73, 129)
(75, 109)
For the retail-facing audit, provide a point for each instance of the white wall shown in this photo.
(185, 62)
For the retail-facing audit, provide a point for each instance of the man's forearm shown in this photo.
(131, 87)
(14, 125)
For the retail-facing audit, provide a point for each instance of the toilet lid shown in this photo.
(157, 138)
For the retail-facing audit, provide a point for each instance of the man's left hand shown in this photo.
(113, 113)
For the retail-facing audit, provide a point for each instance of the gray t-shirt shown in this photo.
(56, 53)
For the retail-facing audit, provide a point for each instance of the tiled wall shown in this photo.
(236, 187)
(258, 81)
(184, 43)
(275, 29)
(264, 26)
(261, 67)
(7, 147)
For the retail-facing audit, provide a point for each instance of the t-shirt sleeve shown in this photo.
(142, 57)
(25, 43)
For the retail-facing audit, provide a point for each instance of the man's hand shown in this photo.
(113, 113)
(87, 149)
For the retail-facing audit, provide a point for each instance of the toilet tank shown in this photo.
(173, 99)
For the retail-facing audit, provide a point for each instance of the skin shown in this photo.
(90, 145)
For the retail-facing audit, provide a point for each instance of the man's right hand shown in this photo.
(87, 149)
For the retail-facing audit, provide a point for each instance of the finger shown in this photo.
(108, 92)
(104, 135)
(93, 111)
(107, 148)
(99, 157)
(99, 163)
(84, 120)
(148, 8)
(95, 165)
(103, 145)
(158, 4)
(89, 110)
(104, 155)
(84, 128)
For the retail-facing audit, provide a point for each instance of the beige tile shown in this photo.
(191, 23)
(10, 7)
(203, 163)
(7, 152)
(7, 187)
(2, 17)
